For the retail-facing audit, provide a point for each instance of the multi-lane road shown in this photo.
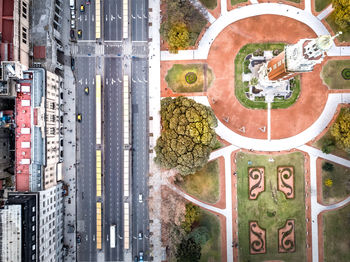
(112, 57)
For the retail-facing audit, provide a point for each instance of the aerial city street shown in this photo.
(174, 130)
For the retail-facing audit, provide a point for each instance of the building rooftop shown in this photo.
(6, 30)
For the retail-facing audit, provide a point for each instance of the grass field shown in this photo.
(258, 209)
(234, 2)
(240, 87)
(337, 151)
(340, 189)
(336, 241)
(204, 184)
(331, 74)
(345, 37)
(211, 250)
(210, 4)
(321, 4)
(177, 82)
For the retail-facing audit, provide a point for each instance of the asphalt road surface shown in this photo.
(139, 99)
(86, 168)
(113, 156)
(85, 21)
(113, 12)
(139, 20)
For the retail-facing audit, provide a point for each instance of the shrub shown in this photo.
(191, 78)
(327, 166)
(328, 145)
(341, 130)
(191, 216)
(246, 67)
(328, 182)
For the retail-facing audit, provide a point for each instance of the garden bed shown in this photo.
(189, 78)
(336, 74)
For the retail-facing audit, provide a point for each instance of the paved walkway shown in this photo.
(198, 5)
(325, 13)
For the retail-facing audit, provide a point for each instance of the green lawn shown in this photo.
(345, 37)
(203, 184)
(340, 189)
(257, 209)
(336, 240)
(240, 87)
(331, 74)
(177, 82)
(321, 4)
(234, 2)
(210, 4)
(327, 136)
(211, 250)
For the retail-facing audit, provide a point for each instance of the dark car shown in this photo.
(78, 239)
(72, 63)
(72, 35)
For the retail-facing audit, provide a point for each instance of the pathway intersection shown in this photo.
(237, 141)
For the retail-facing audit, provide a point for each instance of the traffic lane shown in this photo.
(86, 175)
(140, 154)
(139, 20)
(113, 20)
(86, 20)
(113, 154)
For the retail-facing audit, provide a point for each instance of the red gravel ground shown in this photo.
(221, 59)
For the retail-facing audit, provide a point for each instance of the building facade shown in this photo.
(51, 224)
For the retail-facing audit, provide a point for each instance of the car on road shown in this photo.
(79, 117)
(78, 239)
(141, 256)
(140, 198)
(82, 8)
(140, 235)
(72, 35)
(80, 33)
(86, 90)
(72, 63)
(72, 14)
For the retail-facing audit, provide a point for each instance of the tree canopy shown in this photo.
(178, 37)
(187, 137)
(188, 251)
(341, 130)
(181, 17)
(191, 216)
(342, 13)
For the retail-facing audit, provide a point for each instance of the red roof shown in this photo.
(39, 52)
(23, 118)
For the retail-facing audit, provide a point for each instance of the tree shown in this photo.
(187, 137)
(328, 145)
(200, 235)
(188, 251)
(178, 37)
(327, 166)
(342, 13)
(191, 216)
(341, 130)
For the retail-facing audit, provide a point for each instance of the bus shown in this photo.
(98, 109)
(112, 235)
(99, 225)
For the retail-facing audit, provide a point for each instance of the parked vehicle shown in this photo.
(141, 256)
(82, 8)
(140, 236)
(72, 35)
(80, 33)
(72, 23)
(79, 117)
(140, 198)
(72, 63)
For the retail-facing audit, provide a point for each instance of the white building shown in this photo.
(11, 233)
(51, 224)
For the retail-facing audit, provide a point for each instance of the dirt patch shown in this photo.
(256, 181)
(286, 181)
(286, 237)
(257, 238)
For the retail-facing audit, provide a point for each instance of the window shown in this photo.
(24, 10)
(33, 209)
(33, 228)
(33, 247)
(274, 66)
(24, 35)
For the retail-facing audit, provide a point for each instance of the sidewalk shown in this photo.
(69, 144)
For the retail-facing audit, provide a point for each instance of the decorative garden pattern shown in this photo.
(286, 237)
(190, 78)
(256, 181)
(286, 180)
(257, 238)
(346, 73)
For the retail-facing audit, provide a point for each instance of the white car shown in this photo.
(72, 23)
(72, 14)
(140, 198)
